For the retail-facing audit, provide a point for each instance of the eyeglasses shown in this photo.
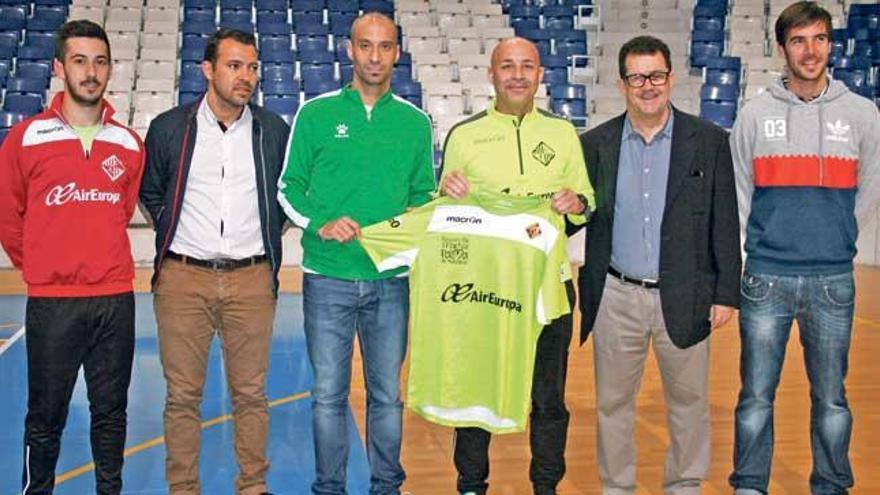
(657, 78)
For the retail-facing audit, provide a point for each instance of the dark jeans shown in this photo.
(376, 310)
(63, 334)
(823, 307)
(549, 418)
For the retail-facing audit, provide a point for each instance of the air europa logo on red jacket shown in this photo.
(69, 193)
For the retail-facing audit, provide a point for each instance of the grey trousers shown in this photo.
(630, 320)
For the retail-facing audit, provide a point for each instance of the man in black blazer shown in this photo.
(662, 265)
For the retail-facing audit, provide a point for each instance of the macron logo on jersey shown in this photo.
(69, 193)
(460, 219)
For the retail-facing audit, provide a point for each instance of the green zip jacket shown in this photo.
(535, 156)
(342, 161)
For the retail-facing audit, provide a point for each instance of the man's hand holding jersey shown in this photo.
(342, 229)
(455, 185)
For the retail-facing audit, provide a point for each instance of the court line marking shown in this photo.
(153, 442)
(11, 340)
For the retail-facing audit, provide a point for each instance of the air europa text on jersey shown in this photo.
(458, 293)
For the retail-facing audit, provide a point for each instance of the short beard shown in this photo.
(80, 100)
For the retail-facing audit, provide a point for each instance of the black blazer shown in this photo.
(699, 236)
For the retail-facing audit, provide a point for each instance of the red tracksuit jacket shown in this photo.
(64, 213)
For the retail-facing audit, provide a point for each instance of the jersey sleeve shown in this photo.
(452, 160)
(422, 183)
(295, 179)
(552, 297)
(395, 242)
(13, 197)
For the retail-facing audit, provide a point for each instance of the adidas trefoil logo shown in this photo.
(341, 131)
(837, 131)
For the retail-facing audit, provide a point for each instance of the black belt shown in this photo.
(646, 283)
(219, 264)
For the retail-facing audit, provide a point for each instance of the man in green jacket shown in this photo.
(356, 156)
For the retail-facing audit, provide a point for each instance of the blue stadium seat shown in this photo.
(191, 70)
(346, 73)
(289, 87)
(4, 74)
(312, 43)
(281, 104)
(316, 56)
(199, 15)
(341, 49)
(709, 17)
(53, 3)
(555, 61)
(277, 72)
(192, 54)
(722, 113)
(722, 70)
(340, 23)
(275, 42)
(239, 24)
(310, 73)
(401, 74)
(40, 38)
(10, 39)
(518, 12)
(193, 85)
(274, 5)
(705, 45)
(314, 88)
(196, 41)
(199, 4)
(567, 46)
(184, 97)
(28, 104)
(348, 6)
(205, 28)
(271, 16)
(273, 28)
(525, 24)
(571, 109)
(310, 21)
(724, 92)
(229, 16)
(277, 55)
(410, 91)
(540, 37)
(307, 5)
(383, 6)
(47, 18)
(236, 4)
(568, 92)
(9, 119)
(553, 76)
(34, 69)
(558, 17)
(35, 52)
(12, 18)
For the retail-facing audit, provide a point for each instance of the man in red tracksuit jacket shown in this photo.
(69, 180)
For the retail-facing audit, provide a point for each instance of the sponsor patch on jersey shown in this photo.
(533, 230)
(454, 250)
(70, 193)
(113, 167)
(543, 153)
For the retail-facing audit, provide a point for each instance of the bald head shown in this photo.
(515, 47)
(373, 52)
(372, 18)
(515, 72)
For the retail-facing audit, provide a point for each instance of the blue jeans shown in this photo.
(334, 309)
(823, 308)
